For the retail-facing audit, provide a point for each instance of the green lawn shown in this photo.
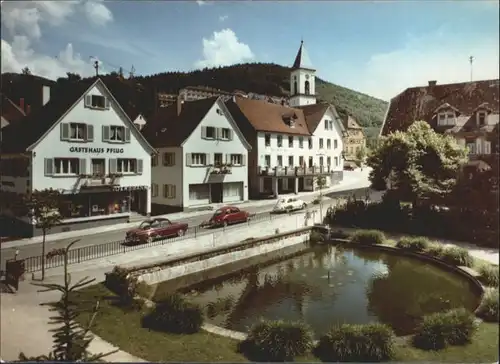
(123, 329)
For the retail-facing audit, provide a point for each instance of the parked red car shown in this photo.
(155, 229)
(228, 215)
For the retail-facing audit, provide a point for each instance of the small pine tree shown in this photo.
(71, 342)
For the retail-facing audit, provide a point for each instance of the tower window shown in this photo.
(307, 88)
(295, 87)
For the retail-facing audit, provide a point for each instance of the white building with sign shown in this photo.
(83, 144)
(202, 156)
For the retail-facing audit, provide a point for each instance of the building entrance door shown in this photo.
(216, 192)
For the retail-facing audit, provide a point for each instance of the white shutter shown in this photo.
(49, 166)
(83, 166)
(139, 166)
(90, 132)
(105, 133)
(107, 103)
(189, 159)
(203, 132)
(243, 159)
(64, 131)
(230, 134)
(218, 133)
(173, 191)
(113, 165)
(228, 158)
(127, 135)
(88, 100)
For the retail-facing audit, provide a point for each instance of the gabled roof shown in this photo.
(302, 60)
(10, 111)
(351, 123)
(315, 112)
(267, 117)
(420, 103)
(168, 128)
(20, 137)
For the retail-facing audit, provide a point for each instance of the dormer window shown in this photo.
(481, 118)
(446, 118)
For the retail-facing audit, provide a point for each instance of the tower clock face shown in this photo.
(307, 77)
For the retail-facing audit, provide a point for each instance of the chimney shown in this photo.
(21, 103)
(432, 83)
(45, 95)
(179, 105)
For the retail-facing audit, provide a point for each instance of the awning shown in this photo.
(130, 188)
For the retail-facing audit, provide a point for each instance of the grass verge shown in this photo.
(123, 329)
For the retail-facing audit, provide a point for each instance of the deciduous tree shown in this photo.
(43, 207)
(416, 164)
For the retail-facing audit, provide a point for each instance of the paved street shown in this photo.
(118, 235)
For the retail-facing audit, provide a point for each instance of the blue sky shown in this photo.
(379, 48)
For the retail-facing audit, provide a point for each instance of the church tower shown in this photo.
(302, 80)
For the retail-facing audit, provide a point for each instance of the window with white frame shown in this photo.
(98, 166)
(320, 161)
(168, 159)
(321, 143)
(225, 134)
(154, 161)
(310, 143)
(328, 144)
(209, 132)
(232, 189)
(98, 101)
(301, 161)
(335, 144)
(290, 161)
(487, 147)
(126, 165)
(77, 131)
(117, 133)
(326, 124)
(481, 118)
(267, 160)
(66, 166)
(280, 141)
(218, 159)
(330, 122)
(198, 159)
(301, 142)
(446, 118)
(236, 159)
(336, 161)
(279, 161)
(169, 191)
(290, 142)
(267, 140)
(199, 192)
(328, 161)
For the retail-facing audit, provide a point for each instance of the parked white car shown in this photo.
(289, 204)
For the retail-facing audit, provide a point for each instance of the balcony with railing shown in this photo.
(99, 180)
(294, 171)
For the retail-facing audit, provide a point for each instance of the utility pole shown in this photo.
(132, 71)
(471, 60)
(96, 66)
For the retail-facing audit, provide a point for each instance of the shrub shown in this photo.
(339, 234)
(457, 256)
(368, 237)
(316, 201)
(488, 274)
(277, 341)
(418, 244)
(126, 287)
(435, 250)
(315, 237)
(488, 309)
(373, 342)
(453, 327)
(175, 315)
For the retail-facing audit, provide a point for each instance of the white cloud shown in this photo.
(224, 49)
(439, 56)
(223, 18)
(203, 2)
(24, 21)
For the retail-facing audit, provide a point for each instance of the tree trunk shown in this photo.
(43, 254)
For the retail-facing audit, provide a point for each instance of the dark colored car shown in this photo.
(228, 215)
(349, 167)
(155, 229)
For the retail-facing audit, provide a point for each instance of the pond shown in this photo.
(329, 285)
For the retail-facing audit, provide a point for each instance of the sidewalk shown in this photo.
(352, 180)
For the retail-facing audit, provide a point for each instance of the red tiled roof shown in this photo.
(313, 114)
(420, 103)
(10, 111)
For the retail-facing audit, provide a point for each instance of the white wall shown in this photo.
(168, 175)
(53, 147)
(274, 151)
(195, 144)
(335, 134)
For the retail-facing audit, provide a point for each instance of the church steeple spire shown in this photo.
(302, 79)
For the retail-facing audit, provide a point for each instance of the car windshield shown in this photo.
(218, 212)
(280, 201)
(145, 225)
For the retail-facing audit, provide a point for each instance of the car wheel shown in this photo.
(304, 205)
(181, 232)
(288, 210)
